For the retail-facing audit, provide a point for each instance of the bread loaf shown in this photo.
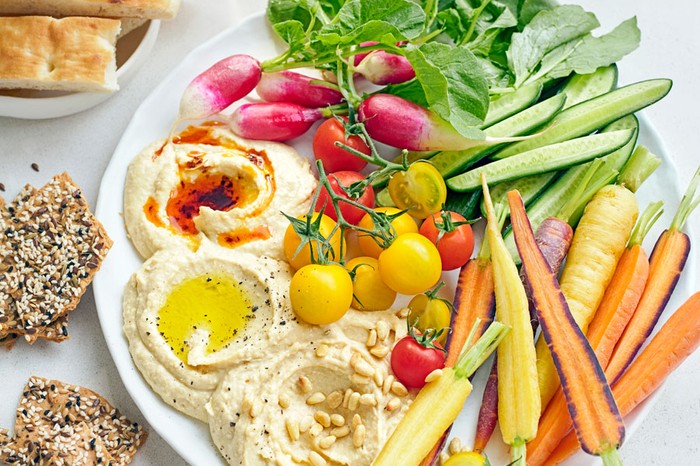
(70, 54)
(147, 9)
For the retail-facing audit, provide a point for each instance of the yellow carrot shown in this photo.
(518, 392)
(438, 404)
(599, 240)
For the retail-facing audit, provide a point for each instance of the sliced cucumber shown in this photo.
(542, 159)
(582, 87)
(505, 105)
(449, 163)
(556, 196)
(465, 204)
(530, 187)
(382, 198)
(592, 114)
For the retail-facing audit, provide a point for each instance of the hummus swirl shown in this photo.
(208, 185)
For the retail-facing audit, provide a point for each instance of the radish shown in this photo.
(218, 87)
(274, 121)
(400, 123)
(381, 68)
(288, 86)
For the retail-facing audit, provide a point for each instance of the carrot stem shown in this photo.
(518, 453)
(687, 204)
(638, 168)
(647, 220)
(611, 457)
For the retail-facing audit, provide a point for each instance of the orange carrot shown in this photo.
(616, 308)
(675, 341)
(667, 261)
(595, 416)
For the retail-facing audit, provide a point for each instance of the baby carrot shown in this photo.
(667, 261)
(675, 341)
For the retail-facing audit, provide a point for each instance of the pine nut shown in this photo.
(337, 420)
(322, 350)
(364, 369)
(305, 424)
(433, 375)
(322, 418)
(455, 446)
(346, 397)
(354, 401)
(372, 338)
(293, 430)
(358, 437)
(335, 399)
(283, 401)
(393, 404)
(356, 421)
(403, 313)
(378, 378)
(444, 457)
(379, 351)
(316, 460)
(316, 398)
(340, 432)
(327, 442)
(368, 400)
(386, 386)
(360, 379)
(305, 384)
(382, 330)
(398, 389)
(316, 429)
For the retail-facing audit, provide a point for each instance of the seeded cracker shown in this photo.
(57, 247)
(61, 424)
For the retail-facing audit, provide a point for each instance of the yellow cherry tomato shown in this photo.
(420, 189)
(303, 257)
(320, 294)
(411, 265)
(402, 224)
(466, 458)
(370, 292)
(431, 313)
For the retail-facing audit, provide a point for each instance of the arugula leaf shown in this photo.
(382, 21)
(454, 85)
(548, 30)
(594, 52)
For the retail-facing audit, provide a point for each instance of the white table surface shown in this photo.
(83, 144)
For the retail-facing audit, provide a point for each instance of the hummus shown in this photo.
(325, 393)
(189, 316)
(209, 185)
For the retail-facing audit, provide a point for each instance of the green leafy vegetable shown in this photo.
(454, 85)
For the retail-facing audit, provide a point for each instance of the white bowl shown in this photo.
(132, 50)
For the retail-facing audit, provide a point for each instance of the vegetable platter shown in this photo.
(155, 117)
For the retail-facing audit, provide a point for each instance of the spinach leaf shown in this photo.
(454, 85)
(594, 52)
(530, 8)
(548, 30)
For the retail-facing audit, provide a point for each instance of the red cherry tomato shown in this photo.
(412, 362)
(351, 214)
(335, 158)
(456, 243)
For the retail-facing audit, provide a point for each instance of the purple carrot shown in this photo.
(382, 68)
(273, 121)
(224, 83)
(553, 238)
(289, 86)
(400, 123)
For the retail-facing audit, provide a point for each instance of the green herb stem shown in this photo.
(650, 215)
(688, 203)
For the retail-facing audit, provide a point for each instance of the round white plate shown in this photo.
(152, 121)
(132, 50)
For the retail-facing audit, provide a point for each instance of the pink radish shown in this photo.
(218, 87)
(400, 123)
(288, 86)
(381, 68)
(274, 121)
(357, 59)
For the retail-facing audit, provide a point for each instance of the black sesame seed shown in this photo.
(35, 167)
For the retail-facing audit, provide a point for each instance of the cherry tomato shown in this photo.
(402, 224)
(320, 294)
(431, 312)
(292, 241)
(420, 189)
(466, 458)
(411, 264)
(454, 243)
(335, 158)
(412, 362)
(370, 292)
(351, 214)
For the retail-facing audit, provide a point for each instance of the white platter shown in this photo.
(132, 50)
(152, 121)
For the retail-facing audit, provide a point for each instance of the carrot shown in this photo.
(438, 404)
(474, 301)
(598, 243)
(675, 341)
(518, 393)
(553, 238)
(616, 308)
(595, 415)
(667, 261)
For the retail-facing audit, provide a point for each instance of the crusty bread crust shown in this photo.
(70, 54)
(147, 9)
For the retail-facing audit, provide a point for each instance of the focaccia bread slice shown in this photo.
(72, 54)
(147, 9)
